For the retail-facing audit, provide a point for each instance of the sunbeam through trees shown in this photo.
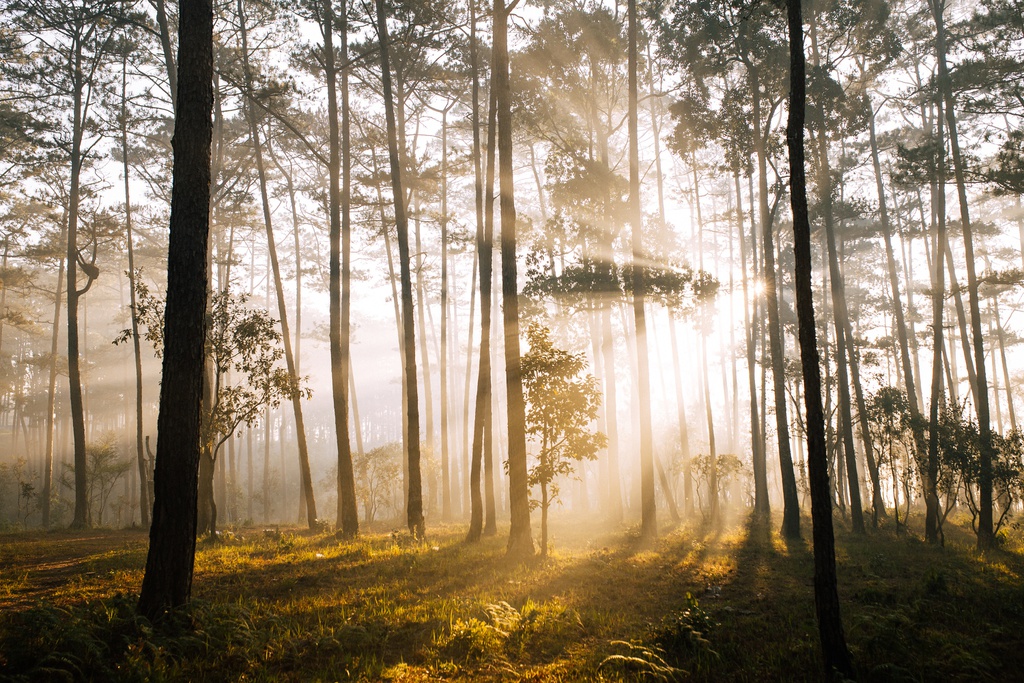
(563, 340)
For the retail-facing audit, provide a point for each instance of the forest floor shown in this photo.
(733, 604)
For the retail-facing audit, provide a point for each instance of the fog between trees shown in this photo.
(369, 361)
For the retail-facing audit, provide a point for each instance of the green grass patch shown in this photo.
(707, 605)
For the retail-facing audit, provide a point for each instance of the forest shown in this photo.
(556, 340)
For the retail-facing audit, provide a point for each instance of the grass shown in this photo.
(732, 604)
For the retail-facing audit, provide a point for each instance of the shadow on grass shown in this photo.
(291, 605)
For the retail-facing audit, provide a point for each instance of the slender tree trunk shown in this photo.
(167, 582)
(446, 487)
(611, 409)
(414, 509)
(300, 427)
(961, 316)
(826, 596)
(684, 436)
(266, 465)
(81, 512)
(709, 417)
(421, 318)
(995, 375)
(466, 424)
(791, 509)
(762, 508)
(251, 479)
(840, 316)
(520, 542)
(933, 525)
(986, 535)
(163, 25)
(649, 523)
(396, 303)
(1006, 369)
(339, 164)
(51, 394)
(484, 241)
(144, 502)
(901, 328)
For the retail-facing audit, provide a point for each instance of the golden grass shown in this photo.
(288, 605)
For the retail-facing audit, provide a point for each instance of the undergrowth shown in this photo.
(702, 605)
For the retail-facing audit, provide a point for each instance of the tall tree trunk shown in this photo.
(985, 530)
(446, 488)
(81, 512)
(300, 427)
(840, 316)
(649, 522)
(167, 582)
(51, 393)
(826, 596)
(842, 372)
(520, 542)
(396, 303)
(762, 506)
(933, 524)
(421, 318)
(414, 506)
(340, 265)
(485, 249)
(901, 326)
(791, 509)
(144, 502)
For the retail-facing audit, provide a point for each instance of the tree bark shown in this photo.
(826, 596)
(986, 536)
(165, 44)
(762, 506)
(420, 308)
(649, 522)
(683, 423)
(791, 509)
(300, 427)
(1001, 336)
(901, 327)
(933, 524)
(446, 481)
(840, 315)
(51, 394)
(485, 251)
(167, 582)
(414, 506)
(520, 542)
(81, 512)
(340, 268)
(144, 502)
